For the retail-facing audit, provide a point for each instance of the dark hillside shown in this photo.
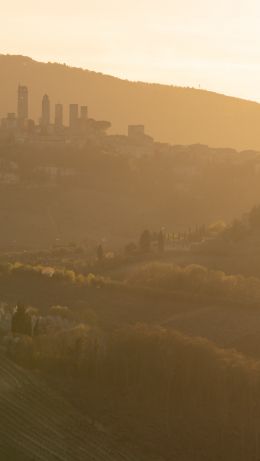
(37, 424)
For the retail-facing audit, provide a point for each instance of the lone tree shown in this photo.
(21, 321)
(161, 241)
(145, 241)
(100, 253)
(130, 249)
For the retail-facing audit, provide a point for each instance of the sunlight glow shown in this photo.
(207, 44)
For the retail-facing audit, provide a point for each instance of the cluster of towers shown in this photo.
(21, 127)
(76, 119)
(77, 116)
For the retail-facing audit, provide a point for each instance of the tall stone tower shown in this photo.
(46, 111)
(58, 117)
(74, 117)
(22, 103)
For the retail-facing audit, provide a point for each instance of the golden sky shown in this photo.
(206, 43)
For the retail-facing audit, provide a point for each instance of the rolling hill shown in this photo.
(37, 424)
(171, 114)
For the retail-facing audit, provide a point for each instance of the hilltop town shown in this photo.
(20, 128)
(75, 180)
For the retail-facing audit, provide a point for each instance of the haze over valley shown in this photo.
(129, 232)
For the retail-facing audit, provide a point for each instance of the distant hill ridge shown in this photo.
(170, 114)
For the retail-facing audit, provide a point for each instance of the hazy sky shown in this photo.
(207, 43)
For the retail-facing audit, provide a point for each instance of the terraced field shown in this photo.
(36, 424)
